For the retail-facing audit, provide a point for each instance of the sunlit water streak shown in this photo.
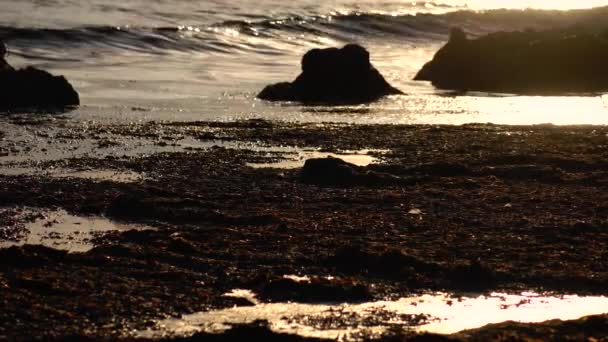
(60, 230)
(541, 4)
(445, 314)
(297, 160)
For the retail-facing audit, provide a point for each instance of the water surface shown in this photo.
(441, 313)
(63, 231)
(191, 60)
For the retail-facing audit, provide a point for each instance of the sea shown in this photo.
(199, 60)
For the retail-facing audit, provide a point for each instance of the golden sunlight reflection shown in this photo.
(470, 313)
(60, 230)
(297, 160)
(446, 314)
(450, 109)
(539, 4)
(559, 110)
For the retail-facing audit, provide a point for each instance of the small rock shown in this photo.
(333, 76)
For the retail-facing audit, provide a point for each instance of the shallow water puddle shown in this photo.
(439, 313)
(296, 159)
(97, 175)
(60, 230)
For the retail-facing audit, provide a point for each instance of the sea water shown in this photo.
(182, 60)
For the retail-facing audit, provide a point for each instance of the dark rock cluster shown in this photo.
(529, 62)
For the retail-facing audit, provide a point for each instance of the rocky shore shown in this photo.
(459, 208)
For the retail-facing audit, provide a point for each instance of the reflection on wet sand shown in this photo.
(60, 230)
(297, 159)
(441, 313)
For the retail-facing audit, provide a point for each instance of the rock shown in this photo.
(336, 172)
(388, 263)
(329, 171)
(471, 276)
(333, 76)
(34, 88)
(549, 62)
(4, 66)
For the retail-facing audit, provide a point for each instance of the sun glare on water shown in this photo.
(538, 4)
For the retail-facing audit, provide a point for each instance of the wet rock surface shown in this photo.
(494, 208)
(333, 76)
(336, 172)
(549, 62)
(33, 88)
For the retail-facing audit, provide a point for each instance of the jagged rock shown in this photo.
(549, 62)
(333, 76)
(34, 88)
(329, 171)
(336, 172)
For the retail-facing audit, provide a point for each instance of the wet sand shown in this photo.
(474, 208)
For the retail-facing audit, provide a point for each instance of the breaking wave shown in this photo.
(268, 34)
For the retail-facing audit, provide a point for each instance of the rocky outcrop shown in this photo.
(550, 62)
(34, 88)
(336, 172)
(333, 76)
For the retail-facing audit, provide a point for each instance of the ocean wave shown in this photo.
(231, 35)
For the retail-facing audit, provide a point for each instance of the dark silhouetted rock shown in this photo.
(471, 276)
(387, 263)
(333, 76)
(550, 62)
(336, 172)
(4, 66)
(34, 88)
(329, 171)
